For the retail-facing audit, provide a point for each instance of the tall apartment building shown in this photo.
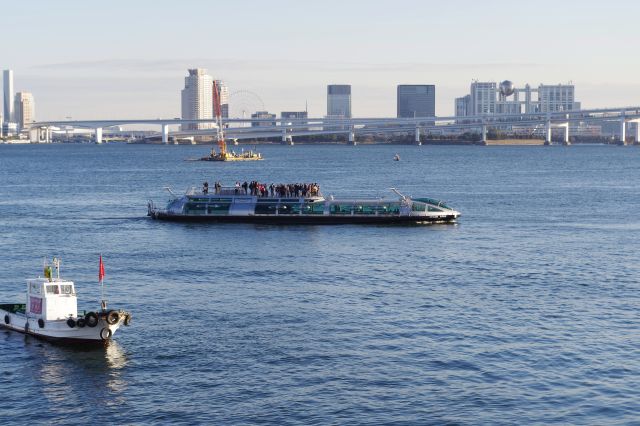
(416, 100)
(24, 109)
(197, 99)
(9, 116)
(223, 92)
(339, 100)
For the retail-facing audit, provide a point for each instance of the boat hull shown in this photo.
(306, 219)
(58, 331)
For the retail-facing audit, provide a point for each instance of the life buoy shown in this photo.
(81, 322)
(113, 317)
(41, 323)
(105, 333)
(71, 322)
(91, 319)
(127, 319)
(7, 319)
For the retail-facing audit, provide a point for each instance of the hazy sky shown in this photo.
(114, 59)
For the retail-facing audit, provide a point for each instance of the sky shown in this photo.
(127, 59)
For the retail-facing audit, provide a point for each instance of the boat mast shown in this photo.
(218, 111)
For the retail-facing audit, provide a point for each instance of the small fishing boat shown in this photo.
(396, 157)
(51, 312)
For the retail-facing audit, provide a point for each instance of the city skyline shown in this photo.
(83, 73)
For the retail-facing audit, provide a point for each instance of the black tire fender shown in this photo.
(127, 319)
(7, 319)
(91, 319)
(81, 322)
(71, 322)
(40, 323)
(113, 317)
(105, 333)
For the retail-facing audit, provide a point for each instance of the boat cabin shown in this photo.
(51, 299)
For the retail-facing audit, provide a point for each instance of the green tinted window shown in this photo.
(418, 207)
(341, 209)
(365, 209)
(289, 208)
(266, 207)
(313, 208)
(195, 208)
(218, 208)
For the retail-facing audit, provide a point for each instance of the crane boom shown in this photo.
(218, 112)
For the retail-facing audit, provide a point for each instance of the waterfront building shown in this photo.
(300, 118)
(223, 93)
(487, 98)
(263, 115)
(24, 109)
(339, 100)
(463, 106)
(556, 98)
(9, 128)
(483, 98)
(8, 96)
(416, 100)
(294, 114)
(197, 99)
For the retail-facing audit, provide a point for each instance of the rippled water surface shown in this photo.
(524, 312)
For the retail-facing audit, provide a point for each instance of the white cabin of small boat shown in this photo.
(51, 299)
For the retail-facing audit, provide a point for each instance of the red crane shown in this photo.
(218, 111)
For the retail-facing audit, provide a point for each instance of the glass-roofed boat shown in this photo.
(238, 204)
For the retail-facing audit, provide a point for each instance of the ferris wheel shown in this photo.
(243, 103)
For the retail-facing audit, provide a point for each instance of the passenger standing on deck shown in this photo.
(237, 187)
(245, 185)
(205, 187)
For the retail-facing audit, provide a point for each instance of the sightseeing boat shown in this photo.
(232, 204)
(51, 312)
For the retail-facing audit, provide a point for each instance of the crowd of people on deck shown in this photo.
(269, 190)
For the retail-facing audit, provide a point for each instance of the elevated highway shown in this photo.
(287, 128)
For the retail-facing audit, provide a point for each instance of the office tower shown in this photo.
(463, 106)
(339, 100)
(24, 109)
(8, 96)
(223, 92)
(416, 100)
(557, 98)
(197, 99)
(483, 98)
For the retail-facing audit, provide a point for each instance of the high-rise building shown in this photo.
(339, 100)
(557, 98)
(416, 100)
(223, 92)
(463, 106)
(8, 96)
(197, 99)
(24, 109)
(483, 98)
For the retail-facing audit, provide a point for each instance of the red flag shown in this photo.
(101, 271)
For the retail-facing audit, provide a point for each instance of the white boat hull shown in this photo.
(59, 330)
